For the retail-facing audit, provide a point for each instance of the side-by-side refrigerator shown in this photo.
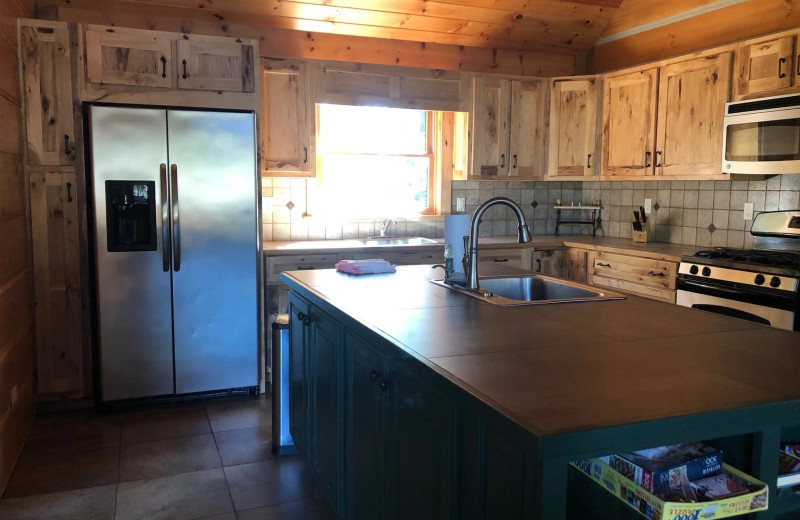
(176, 250)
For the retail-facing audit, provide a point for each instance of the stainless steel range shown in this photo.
(760, 285)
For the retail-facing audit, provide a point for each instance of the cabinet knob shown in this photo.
(374, 375)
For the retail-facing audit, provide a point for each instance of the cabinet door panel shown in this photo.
(491, 127)
(298, 374)
(692, 97)
(287, 117)
(573, 128)
(527, 129)
(216, 66)
(47, 84)
(629, 123)
(764, 66)
(120, 57)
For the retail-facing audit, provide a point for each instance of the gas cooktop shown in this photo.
(748, 257)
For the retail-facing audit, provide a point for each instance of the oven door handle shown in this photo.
(715, 288)
(734, 313)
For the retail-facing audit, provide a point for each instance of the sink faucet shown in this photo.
(524, 234)
(385, 225)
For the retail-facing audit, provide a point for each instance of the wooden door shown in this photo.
(490, 128)
(691, 106)
(764, 66)
(548, 262)
(574, 267)
(64, 369)
(366, 400)
(573, 129)
(215, 65)
(47, 84)
(629, 123)
(526, 136)
(298, 373)
(287, 118)
(127, 57)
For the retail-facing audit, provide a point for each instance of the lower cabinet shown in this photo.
(574, 265)
(547, 262)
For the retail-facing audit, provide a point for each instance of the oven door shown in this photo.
(768, 310)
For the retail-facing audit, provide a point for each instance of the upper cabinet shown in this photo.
(508, 118)
(47, 84)
(287, 118)
(573, 129)
(666, 121)
(766, 66)
(118, 56)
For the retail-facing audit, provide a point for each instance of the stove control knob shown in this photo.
(775, 282)
(759, 279)
(693, 269)
(706, 271)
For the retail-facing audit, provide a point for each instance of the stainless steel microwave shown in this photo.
(762, 136)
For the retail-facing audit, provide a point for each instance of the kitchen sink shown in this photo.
(396, 241)
(531, 290)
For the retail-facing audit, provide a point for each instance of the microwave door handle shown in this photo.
(176, 221)
(165, 243)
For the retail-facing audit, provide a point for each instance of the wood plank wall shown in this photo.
(720, 26)
(16, 291)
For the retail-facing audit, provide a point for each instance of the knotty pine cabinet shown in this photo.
(288, 121)
(47, 93)
(508, 122)
(666, 121)
(766, 67)
(547, 262)
(574, 264)
(573, 139)
(648, 277)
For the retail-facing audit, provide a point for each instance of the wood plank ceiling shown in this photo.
(560, 26)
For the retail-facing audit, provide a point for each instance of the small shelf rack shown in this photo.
(594, 221)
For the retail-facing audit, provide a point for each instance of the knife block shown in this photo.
(641, 236)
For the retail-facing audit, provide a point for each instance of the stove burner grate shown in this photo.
(782, 259)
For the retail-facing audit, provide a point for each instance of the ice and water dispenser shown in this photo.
(131, 216)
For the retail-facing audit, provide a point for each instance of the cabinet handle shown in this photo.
(305, 155)
(374, 375)
(781, 61)
(499, 260)
(67, 151)
(647, 159)
(515, 161)
(305, 267)
(69, 192)
(184, 70)
(538, 265)
(658, 159)
(601, 264)
(798, 64)
(383, 384)
(502, 160)
(163, 67)
(653, 273)
(589, 161)
(305, 318)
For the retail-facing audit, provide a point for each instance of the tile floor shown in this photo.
(207, 459)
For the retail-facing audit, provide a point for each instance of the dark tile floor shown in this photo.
(207, 459)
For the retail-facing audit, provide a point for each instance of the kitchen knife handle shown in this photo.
(781, 61)
(176, 220)
(164, 219)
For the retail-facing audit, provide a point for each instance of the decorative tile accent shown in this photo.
(656, 206)
(534, 204)
(290, 205)
(711, 228)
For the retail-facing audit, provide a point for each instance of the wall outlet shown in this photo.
(266, 205)
(748, 211)
(648, 206)
(461, 204)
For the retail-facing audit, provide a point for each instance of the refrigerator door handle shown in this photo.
(164, 219)
(176, 225)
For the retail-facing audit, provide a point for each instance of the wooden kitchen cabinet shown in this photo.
(573, 129)
(288, 135)
(547, 262)
(508, 128)
(666, 121)
(47, 93)
(647, 277)
(518, 258)
(574, 264)
(63, 366)
(765, 65)
(215, 65)
(299, 338)
(116, 56)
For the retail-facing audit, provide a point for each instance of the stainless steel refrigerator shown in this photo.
(176, 250)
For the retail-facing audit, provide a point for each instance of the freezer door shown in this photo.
(215, 250)
(134, 299)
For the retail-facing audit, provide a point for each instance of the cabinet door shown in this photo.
(491, 118)
(629, 113)
(215, 65)
(526, 140)
(421, 461)
(63, 370)
(120, 57)
(574, 266)
(298, 373)
(548, 262)
(287, 118)
(691, 106)
(366, 400)
(326, 436)
(573, 129)
(47, 85)
(764, 66)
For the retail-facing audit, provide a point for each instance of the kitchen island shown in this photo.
(510, 396)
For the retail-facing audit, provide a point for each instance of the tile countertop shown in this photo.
(657, 250)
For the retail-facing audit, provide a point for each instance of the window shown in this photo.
(375, 162)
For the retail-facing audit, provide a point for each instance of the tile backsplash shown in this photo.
(700, 213)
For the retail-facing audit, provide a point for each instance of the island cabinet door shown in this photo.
(366, 400)
(422, 470)
(325, 402)
(298, 372)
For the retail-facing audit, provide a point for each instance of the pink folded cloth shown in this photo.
(369, 266)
